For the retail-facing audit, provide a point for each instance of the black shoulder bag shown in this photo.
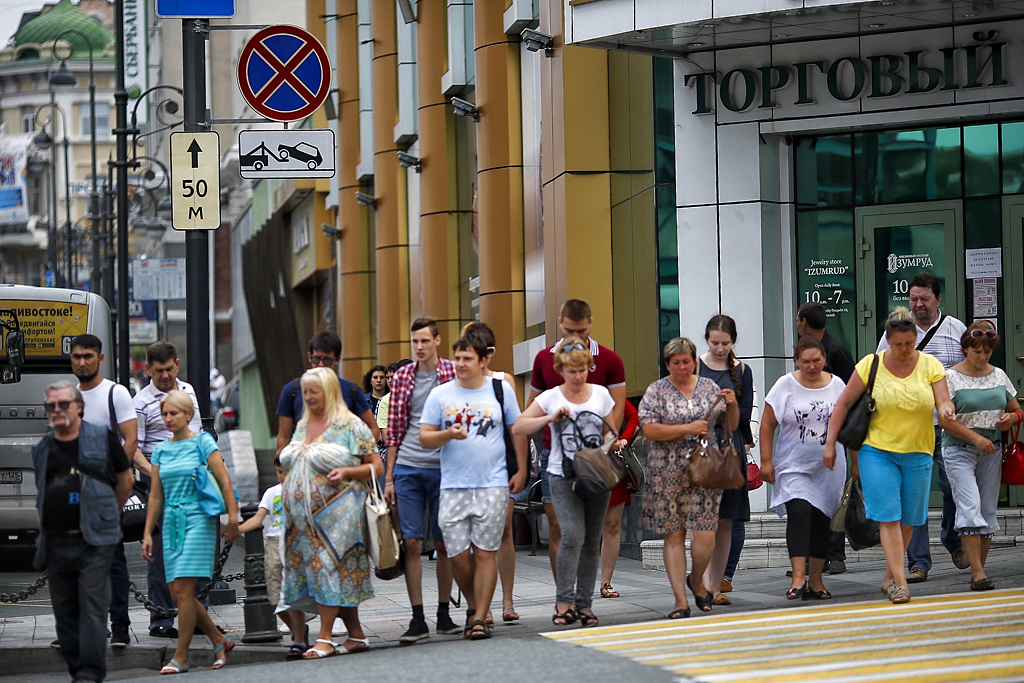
(133, 514)
(511, 461)
(855, 426)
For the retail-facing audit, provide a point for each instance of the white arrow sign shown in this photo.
(195, 181)
(293, 153)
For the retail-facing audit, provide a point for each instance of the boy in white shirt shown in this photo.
(273, 569)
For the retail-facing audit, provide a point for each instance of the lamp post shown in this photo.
(43, 141)
(62, 78)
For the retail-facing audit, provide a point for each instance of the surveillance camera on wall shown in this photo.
(409, 161)
(535, 40)
(464, 108)
(364, 199)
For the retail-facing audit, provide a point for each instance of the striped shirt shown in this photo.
(151, 425)
(944, 344)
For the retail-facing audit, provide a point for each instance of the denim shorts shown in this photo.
(896, 485)
(418, 491)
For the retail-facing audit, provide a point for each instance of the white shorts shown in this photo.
(474, 516)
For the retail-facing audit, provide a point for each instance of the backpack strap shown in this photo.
(499, 394)
(931, 333)
(110, 410)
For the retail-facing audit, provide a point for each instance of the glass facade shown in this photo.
(665, 201)
(835, 175)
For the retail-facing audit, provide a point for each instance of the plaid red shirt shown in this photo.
(401, 391)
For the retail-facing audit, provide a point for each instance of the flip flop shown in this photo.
(227, 646)
(364, 645)
(172, 667)
(313, 653)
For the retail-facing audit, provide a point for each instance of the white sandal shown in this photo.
(313, 653)
(342, 650)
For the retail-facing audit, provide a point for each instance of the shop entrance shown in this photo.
(896, 242)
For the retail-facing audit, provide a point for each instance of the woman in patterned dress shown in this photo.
(674, 413)
(189, 535)
(327, 566)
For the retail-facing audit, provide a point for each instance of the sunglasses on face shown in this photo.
(569, 348)
(53, 407)
(321, 360)
(987, 334)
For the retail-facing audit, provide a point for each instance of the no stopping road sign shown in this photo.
(284, 73)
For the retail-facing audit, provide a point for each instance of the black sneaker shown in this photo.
(119, 637)
(55, 644)
(447, 627)
(418, 630)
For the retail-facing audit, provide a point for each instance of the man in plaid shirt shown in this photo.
(413, 478)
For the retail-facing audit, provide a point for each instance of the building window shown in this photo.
(102, 119)
(28, 119)
(300, 233)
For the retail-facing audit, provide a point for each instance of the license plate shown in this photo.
(10, 476)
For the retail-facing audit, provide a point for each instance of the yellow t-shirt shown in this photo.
(902, 422)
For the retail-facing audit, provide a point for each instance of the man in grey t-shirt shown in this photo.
(413, 478)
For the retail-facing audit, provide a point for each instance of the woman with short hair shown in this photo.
(986, 403)
(806, 492)
(895, 462)
(677, 411)
(328, 571)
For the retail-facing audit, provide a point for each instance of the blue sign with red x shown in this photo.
(284, 73)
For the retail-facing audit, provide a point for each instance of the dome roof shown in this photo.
(46, 27)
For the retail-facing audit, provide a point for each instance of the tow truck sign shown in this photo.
(293, 153)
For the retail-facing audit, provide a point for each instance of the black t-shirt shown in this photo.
(64, 484)
(838, 359)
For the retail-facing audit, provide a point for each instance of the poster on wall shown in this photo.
(826, 272)
(13, 193)
(901, 252)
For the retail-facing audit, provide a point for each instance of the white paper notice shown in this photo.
(984, 263)
(985, 305)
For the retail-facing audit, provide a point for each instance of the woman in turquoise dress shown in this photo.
(189, 535)
(327, 569)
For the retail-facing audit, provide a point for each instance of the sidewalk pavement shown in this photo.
(645, 596)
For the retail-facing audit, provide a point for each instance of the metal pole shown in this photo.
(95, 277)
(110, 265)
(69, 257)
(121, 105)
(194, 33)
(51, 244)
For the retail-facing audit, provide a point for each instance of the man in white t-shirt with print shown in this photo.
(465, 420)
(99, 394)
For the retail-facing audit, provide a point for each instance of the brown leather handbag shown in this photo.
(713, 466)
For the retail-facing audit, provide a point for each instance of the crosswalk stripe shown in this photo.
(961, 637)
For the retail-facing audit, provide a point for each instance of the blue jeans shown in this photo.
(80, 595)
(739, 536)
(119, 597)
(918, 552)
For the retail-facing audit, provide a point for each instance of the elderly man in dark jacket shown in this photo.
(83, 479)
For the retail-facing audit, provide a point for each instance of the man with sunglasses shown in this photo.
(83, 478)
(939, 336)
(324, 350)
(574, 320)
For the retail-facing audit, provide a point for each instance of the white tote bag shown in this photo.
(382, 539)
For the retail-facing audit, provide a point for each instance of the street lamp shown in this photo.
(44, 141)
(63, 78)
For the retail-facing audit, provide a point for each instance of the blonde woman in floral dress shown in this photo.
(326, 566)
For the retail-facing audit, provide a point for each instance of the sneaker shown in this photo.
(917, 575)
(726, 586)
(960, 560)
(418, 630)
(836, 567)
(119, 637)
(447, 627)
(55, 644)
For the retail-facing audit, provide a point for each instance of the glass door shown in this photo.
(893, 244)
(1012, 333)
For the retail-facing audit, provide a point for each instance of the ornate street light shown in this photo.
(44, 141)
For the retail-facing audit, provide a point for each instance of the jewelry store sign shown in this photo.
(849, 78)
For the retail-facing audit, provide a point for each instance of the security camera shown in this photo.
(330, 230)
(366, 200)
(409, 161)
(464, 108)
(535, 40)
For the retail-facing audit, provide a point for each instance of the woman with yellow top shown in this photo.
(895, 462)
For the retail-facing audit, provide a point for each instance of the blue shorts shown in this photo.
(896, 485)
(545, 482)
(418, 491)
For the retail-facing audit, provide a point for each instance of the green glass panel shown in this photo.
(665, 201)
(1013, 158)
(983, 229)
(826, 269)
(901, 252)
(981, 160)
(824, 172)
(907, 166)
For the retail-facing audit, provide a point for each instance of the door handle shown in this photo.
(1020, 358)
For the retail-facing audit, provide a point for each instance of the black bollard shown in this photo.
(260, 622)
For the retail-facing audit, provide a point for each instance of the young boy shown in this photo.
(270, 504)
(464, 419)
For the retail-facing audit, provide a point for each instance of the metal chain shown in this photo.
(24, 594)
(171, 612)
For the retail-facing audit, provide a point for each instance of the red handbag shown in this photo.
(1013, 455)
(754, 480)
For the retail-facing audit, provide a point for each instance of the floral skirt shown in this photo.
(670, 503)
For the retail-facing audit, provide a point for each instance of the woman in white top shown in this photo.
(806, 491)
(581, 520)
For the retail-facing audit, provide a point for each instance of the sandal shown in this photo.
(703, 602)
(509, 614)
(898, 595)
(363, 644)
(225, 649)
(568, 617)
(295, 652)
(984, 584)
(172, 667)
(478, 630)
(794, 593)
(313, 653)
(811, 594)
(681, 613)
(608, 592)
(588, 620)
(722, 599)
(489, 618)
